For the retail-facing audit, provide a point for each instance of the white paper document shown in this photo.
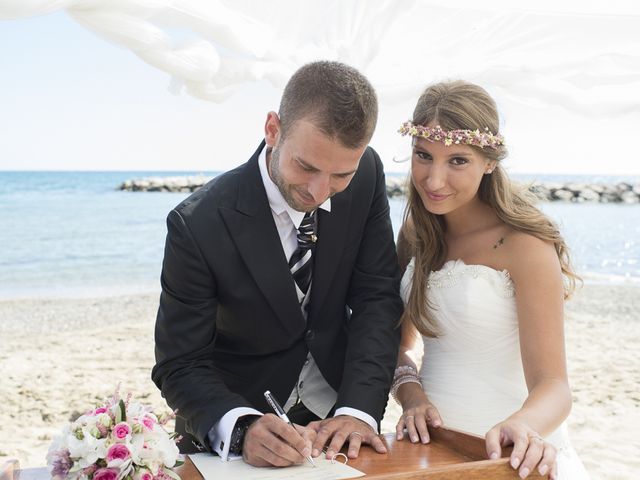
(212, 468)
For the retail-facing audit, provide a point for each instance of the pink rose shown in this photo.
(100, 410)
(148, 422)
(143, 475)
(106, 474)
(121, 430)
(117, 451)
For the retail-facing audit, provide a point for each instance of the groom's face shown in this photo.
(308, 166)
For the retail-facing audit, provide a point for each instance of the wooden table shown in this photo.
(451, 455)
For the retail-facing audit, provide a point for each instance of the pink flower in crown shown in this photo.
(100, 410)
(118, 451)
(121, 430)
(106, 474)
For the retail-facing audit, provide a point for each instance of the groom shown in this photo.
(282, 275)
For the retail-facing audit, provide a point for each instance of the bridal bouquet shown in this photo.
(120, 440)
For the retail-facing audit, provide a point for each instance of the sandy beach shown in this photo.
(62, 356)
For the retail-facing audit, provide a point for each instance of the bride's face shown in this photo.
(447, 177)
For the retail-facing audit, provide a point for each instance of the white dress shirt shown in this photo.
(311, 388)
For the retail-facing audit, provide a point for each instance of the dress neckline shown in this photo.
(452, 264)
(454, 270)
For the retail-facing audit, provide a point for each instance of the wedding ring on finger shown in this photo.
(356, 433)
(335, 457)
(407, 417)
(538, 438)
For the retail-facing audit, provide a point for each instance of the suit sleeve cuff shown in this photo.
(220, 434)
(360, 415)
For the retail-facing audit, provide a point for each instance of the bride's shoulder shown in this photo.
(518, 243)
(525, 254)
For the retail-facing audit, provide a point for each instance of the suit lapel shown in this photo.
(254, 232)
(332, 228)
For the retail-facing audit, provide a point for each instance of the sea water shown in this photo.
(75, 234)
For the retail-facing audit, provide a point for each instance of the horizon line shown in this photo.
(194, 171)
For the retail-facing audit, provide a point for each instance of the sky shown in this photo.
(70, 100)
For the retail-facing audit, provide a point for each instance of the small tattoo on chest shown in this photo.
(498, 243)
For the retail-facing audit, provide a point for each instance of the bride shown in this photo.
(486, 276)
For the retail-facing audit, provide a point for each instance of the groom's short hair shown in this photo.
(336, 98)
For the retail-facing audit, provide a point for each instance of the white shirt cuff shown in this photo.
(360, 415)
(220, 433)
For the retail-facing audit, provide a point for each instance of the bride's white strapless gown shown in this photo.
(473, 371)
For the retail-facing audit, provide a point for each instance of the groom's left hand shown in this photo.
(341, 429)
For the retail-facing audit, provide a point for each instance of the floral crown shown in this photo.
(450, 137)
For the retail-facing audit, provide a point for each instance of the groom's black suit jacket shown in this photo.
(230, 326)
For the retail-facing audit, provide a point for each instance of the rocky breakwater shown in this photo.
(557, 192)
(165, 184)
(397, 187)
(587, 192)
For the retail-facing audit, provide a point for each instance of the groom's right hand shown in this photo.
(269, 441)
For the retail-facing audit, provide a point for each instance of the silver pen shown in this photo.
(271, 400)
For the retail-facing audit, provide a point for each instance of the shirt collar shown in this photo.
(276, 201)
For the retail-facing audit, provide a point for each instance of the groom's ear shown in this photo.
(272, 129)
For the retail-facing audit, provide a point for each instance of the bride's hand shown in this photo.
(418, 412)
(529, 448)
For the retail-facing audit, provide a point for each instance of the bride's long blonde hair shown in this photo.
(462, 105)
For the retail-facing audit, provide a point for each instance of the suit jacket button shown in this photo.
(310, 335)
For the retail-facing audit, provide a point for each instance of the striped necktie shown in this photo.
(301, 262)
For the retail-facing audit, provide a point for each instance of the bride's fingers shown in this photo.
(400, 429)
(492, 441)
(421, 427)
(532, 457)
(410, 423)
(434, 416)
(548, 459)
(520, 444)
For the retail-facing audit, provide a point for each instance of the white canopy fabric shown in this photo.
(582, 56)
